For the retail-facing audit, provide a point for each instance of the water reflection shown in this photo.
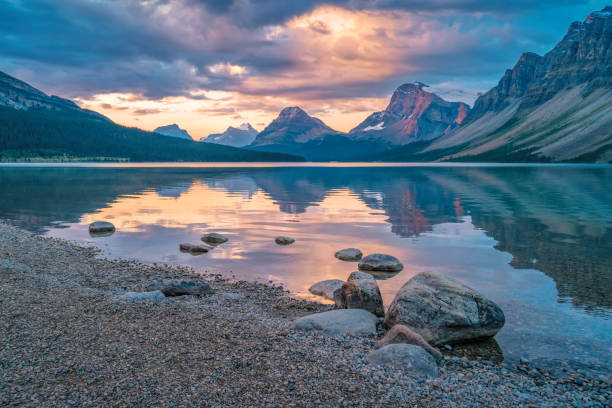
(537, 240)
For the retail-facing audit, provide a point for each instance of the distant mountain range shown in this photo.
(551, 108)
(173, 131)
(233, 136)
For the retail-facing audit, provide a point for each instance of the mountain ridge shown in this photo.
(240, 136)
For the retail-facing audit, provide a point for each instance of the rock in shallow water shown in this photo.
(284, 240)
(360, 292)
(194, 249)
(177, 287)
(412, 359)
(214, 238)
(326, 288)
(349, 254)
(357, 322)
(443, 310)
(380, 263)
(400, 334)
(152, 296)
(101, 227)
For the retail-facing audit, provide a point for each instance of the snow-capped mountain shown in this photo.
(240, 136)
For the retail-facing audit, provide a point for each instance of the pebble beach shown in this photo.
(66, 339)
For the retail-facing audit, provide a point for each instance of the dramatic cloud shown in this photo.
(208, 63)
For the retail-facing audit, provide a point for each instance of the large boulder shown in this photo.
(380, 263)
(214, 238)
(101, 228)
(178, 287)
(400, 334)
(349, 254)
(410, 358)
(360, 291)
(357, 322)
(443, 310)
(326, 288)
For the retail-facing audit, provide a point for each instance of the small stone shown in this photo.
(194, 249)
(284, 240)
(380, 263)
(448, 347)
(177, 287)
(101, 228)
(412, 359)
(214, 238)
(349, 254)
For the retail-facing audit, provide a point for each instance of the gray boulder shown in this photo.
(412, 359)
(380, 263)
(400, 334)
(326, 288)
(178, 287)
(284, 240)
(360, 291)
(349, 254)
(214, 238)
(153, 296)
(101, 228)
(194, 249)
(357, 322)
(443, 310)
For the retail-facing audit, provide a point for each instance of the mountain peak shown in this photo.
(240, 136)
(292, 112)
(173, 130)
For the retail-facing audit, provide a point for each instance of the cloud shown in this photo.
(144, 112)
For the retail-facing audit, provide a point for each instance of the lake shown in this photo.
(537, 240)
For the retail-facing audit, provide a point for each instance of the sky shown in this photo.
(209, 64)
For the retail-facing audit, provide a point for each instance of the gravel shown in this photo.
(65, 340)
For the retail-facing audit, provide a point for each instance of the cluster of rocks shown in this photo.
(429, 310)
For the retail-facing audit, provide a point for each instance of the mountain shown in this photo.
(173, 131)
(241, 136)
(555, 107)
(413, 115)
(18, 95)
(34, 126)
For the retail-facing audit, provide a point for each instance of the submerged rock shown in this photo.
(349, 254)
(380, 263)
(410, 358)
(284, 240)
(152, 296)
(326, 288)
(194, 249)
(360, 291)
(101, 228)
(357, 322)
(400, 334)
(443, 310)
(177, 287)
(214, 238)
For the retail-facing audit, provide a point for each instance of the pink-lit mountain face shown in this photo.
(413, 115)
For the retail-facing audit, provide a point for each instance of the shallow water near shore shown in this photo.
(537, 240)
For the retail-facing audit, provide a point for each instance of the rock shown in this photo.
(360, 291)
(230, 296)
(400, 334)
(214, 238)
(357, 322)
(326, 288)
(284, 240)
(152, 296)
(380, 263)
(194, 249)
(410, 358)
(177, 287)
(349, 254)
(443, 310)
(101, 228)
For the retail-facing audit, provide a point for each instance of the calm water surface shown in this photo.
(535, 239)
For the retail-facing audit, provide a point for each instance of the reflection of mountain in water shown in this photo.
(561, 218)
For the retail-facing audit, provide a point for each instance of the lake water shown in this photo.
(537, 240)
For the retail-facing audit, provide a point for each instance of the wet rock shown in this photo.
(380, 263)
(349, 254)
(101, 228)
(284, 240)
(153, 296)
(400, 334)
(214, 238)
(360, 291)
(443, 310)
(412, 359)
(194, 249)
(326, 288)
(357, 322)
(177, 287)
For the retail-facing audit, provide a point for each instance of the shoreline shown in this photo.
(67, 340)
